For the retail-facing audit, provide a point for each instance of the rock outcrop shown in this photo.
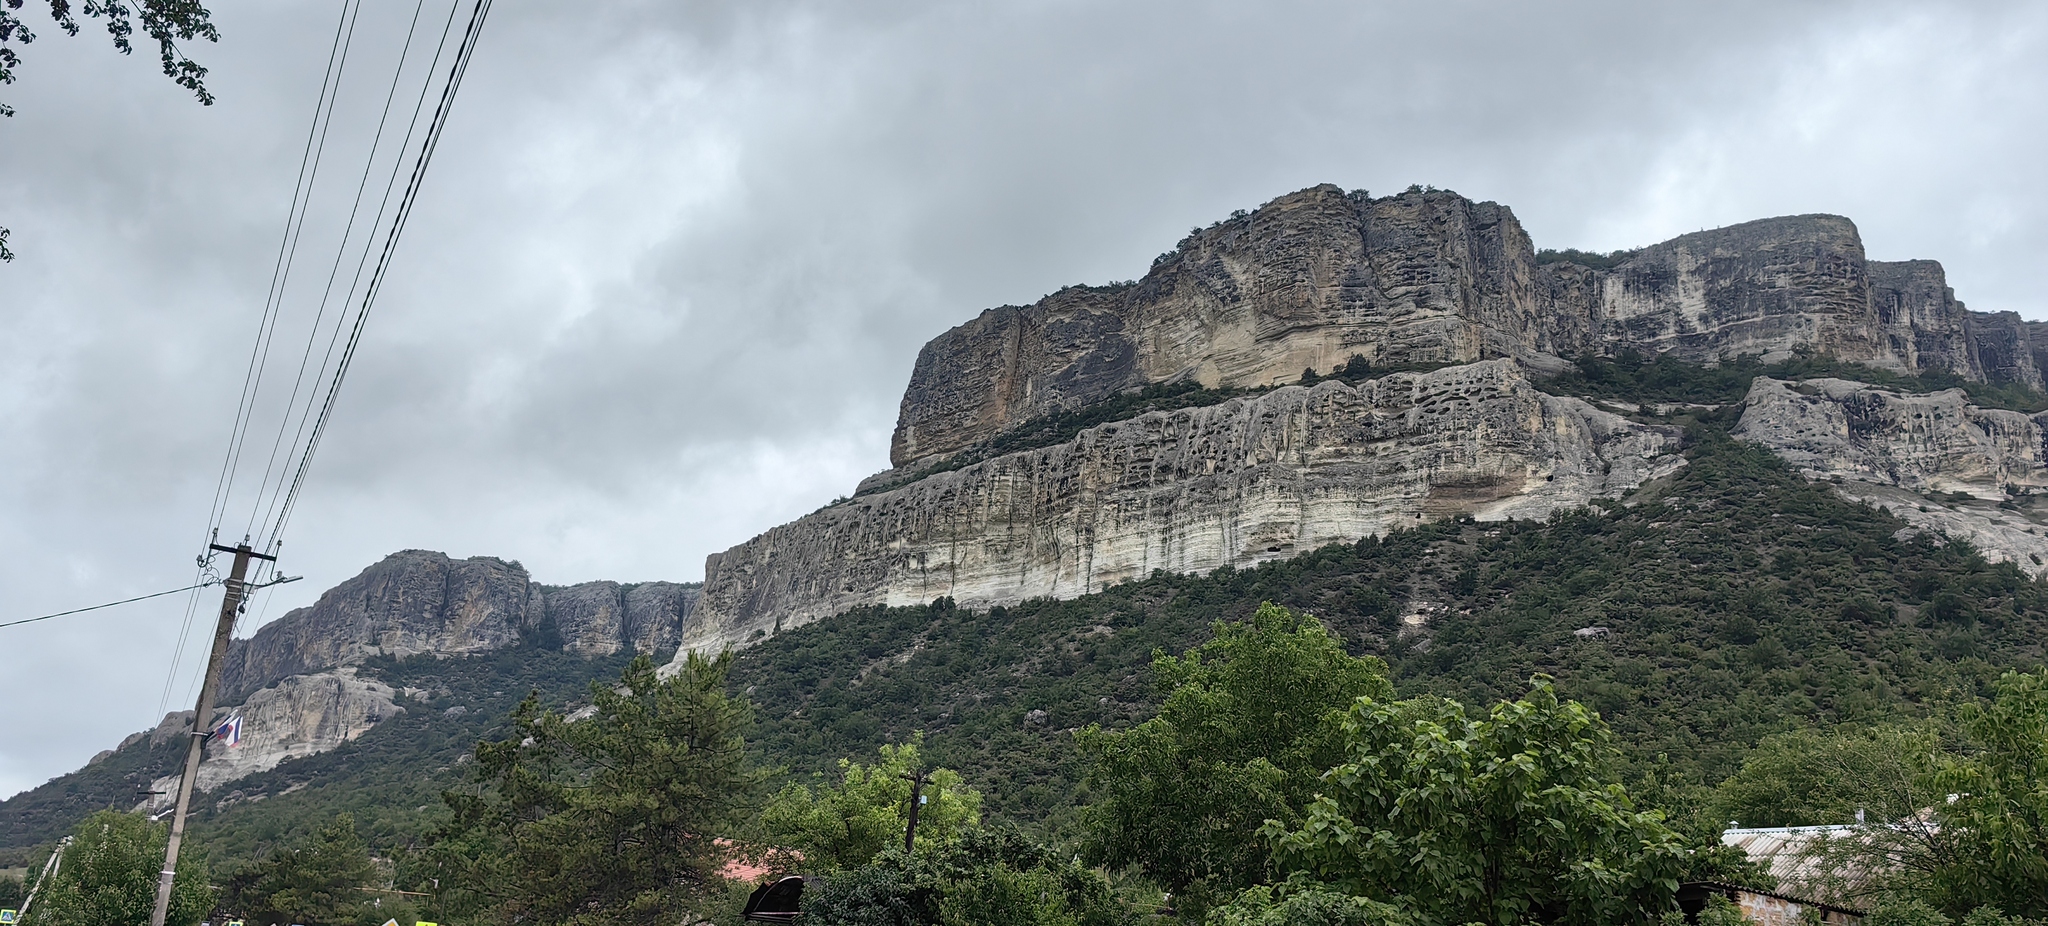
(1934, 460)
(1310, 281)
(1316, 277)
(418, 601)
(294, 682)
(300, 716)
(1255, 478)
(601, 618)
(1450, 289)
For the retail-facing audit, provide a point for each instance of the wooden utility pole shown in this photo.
(202, 729)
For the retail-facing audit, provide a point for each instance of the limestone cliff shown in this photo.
(1254, 478)
(1315, 277)
(1934, 460)
(1304, 282)
(299, 716)
(418, 601)
(294, 682)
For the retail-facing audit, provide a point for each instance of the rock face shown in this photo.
(1936, 442)
(295, 681)
(1304, 282)
(1255, 478)
(412, 602)
(1934, 460)
(1307, 282)
(299, 716)
(1315, 277)
(418, 601)
(602, 618)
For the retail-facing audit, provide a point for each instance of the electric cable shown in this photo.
(435, 129)
(109, 604)
(340, 254)
(245, 407)
(295, 220)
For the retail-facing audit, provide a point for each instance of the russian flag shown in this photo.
(230, 731)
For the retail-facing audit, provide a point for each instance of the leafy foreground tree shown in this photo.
(613, 818)
(1321, 906)
(320, 880)
(1969, 843)
(1250, 722)
(1821, 778)
(983, 878)
(835, 827)
(109, 876)
(167, 21)
(1510, 818)
(2000, 815)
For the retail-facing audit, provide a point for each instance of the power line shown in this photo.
(109, 604)
(269, 510)
(287, 254)
(252, 377)
(435, 128)
(333, 272)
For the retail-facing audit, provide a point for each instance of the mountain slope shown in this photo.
(1738, 599)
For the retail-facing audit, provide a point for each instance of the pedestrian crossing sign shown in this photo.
(7, 917)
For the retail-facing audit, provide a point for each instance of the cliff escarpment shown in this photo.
(1254, 478)
(294, 682)
(1319, 276)
(1934, 460)
(1011, 477)
(418, 601)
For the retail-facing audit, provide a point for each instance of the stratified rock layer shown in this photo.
(1251, 479)
(1316, 277)
(1934, 460)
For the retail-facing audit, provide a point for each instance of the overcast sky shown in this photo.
(673, 261)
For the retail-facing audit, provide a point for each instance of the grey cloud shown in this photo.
(674, 260)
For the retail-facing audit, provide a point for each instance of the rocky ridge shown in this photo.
(1306, 284)
(1318, 276)
(1255, 478)
(418, 601)
(294, 682)
(1934, 460)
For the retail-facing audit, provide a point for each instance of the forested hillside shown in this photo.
(1738, 600)
(1706, 611)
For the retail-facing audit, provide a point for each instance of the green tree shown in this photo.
(109, 875)
(1969, 836)
(1249, 721)
(1509, 818)
(1998, 821)
(1816, 778)
(320, 880)
(845, 825)
(985, 877)
(613, 818)
(1264, 906)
